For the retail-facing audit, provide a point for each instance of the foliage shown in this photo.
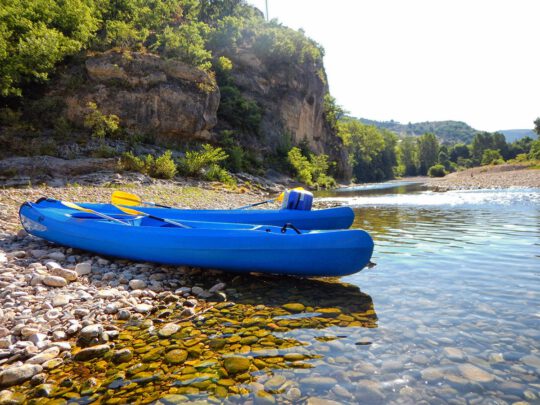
(332, 111)
(36, 35)
(436, 171)
(187, 43)
(100, 124)
(537, 126)
(491, 156)
(448, 131)
(124, 35)
(162, 167)
(428, 150)
(238, 111)
(534, 153)
(311, 170)
(206, 163)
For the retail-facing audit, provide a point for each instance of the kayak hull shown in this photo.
(330, 218)
(232, 247)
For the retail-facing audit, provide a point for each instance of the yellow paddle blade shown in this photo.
(130, 211)
(125, 198)
(280, 197)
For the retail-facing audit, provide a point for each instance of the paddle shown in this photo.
(279, 198)
(124, 198)
(131, 211)
(90, 211)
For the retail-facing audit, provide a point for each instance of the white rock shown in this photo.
(3, 258)
(44, 356)
(19, 374)
(52, 265)
(59, 335)
(6, 341)
(28, 331)
(69, 275)
(83, 269)
(137, 284)
(143, 308)
(54, 281)
(60, 300)
(57, 256)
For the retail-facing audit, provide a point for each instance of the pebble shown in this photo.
(60, 300)
(69, 275)
(168, 330)
(91, 352)
(54, 281)
(474, 373)
(82, 269)
(44, 356)
(323, 383)
(143, 308)
(18, 374)
(236, 364)
(123, 314)
(137, 284)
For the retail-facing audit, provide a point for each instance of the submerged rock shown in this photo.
(91, 352)
(236, 364)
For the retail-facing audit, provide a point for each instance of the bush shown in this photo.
(162, 167)
(195, 162)
(100, 124)
(491, 156)
(437, 171)
(311, 171)
(238, 111)
(534, 153)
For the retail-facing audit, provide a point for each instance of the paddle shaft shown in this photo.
(254, 205)
(93, 212)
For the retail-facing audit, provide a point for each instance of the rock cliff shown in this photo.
(164, 98)
(292, 99)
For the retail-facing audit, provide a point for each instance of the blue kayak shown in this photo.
(330, 218)
(227, 246)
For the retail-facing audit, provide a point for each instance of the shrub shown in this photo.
(534, 153)
(162, 167)
(99, 123)
(436, 171)
(491, 156)
(195, 162)
(217, 173)
(311, 171)
(238, 111)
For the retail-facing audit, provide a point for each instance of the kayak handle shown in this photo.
(289, 225)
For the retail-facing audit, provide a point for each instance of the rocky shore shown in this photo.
(54, 298)
(502, 176)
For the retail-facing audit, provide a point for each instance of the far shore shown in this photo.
(501, 176)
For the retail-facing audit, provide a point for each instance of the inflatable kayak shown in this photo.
(330, 218)
(227, 246)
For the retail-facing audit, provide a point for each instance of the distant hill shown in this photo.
(512, 135)
(449, 131)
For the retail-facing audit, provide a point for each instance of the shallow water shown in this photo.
(450, 314)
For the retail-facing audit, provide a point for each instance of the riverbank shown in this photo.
(484, 177)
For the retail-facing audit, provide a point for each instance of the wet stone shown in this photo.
(122, 356)
(168, 330)
(294, 307)
(319, 382)
(475, 374)
(43, 390)
(236, 364)
(123, 314)
(91, 352)
(18, 374)
(176, 356)
(143, 308)
(44, 356)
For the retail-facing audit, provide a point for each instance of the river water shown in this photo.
(456, 291)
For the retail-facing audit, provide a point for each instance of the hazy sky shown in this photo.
(476, 61)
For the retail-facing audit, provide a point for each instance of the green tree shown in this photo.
(491, 156)
(459, 150)
(537, 126)
(428, 150)
(408, 156)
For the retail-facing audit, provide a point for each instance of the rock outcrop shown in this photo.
(292, 99)
(151, 95)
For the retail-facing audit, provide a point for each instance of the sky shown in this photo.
(476, 61)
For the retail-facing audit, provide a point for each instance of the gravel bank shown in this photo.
(503, 176)
(54, 298)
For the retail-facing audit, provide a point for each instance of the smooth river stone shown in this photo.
(44, 356)
(54, 281)
(91, 352)
(294, 307)
(176, 356)
(474, 373)
(168, 330)
(16, 375)
(236, 364)
(319, 382)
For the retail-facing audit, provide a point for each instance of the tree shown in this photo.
(428, 150)
(459, 150)
(408, 156)
(537, 126)
(491, 156)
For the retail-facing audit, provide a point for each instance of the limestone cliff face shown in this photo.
(291, 97)
(167, 99)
